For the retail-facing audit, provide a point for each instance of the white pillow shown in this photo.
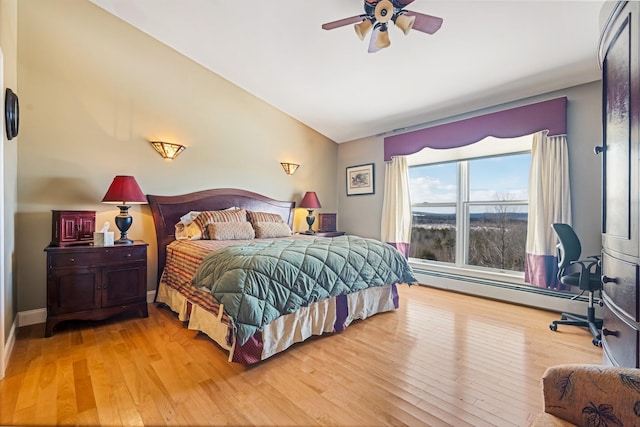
(188, 218)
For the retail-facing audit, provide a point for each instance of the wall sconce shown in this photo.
(167, 150)
(289, 168)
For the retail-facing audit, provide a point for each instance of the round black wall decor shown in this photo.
(11, 113)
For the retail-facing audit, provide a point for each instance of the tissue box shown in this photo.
(103, 239)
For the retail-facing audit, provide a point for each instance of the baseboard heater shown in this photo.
(547, 299)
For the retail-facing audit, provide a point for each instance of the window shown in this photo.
(433, 232)
(472, 211)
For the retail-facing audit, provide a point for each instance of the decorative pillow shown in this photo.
(188, 232)
(230, 231)
(268, 230)
(210, 217)
(256, 217)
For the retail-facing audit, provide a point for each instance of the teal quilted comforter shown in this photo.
(263, 280)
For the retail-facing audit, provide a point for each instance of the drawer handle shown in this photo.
(606, 279)
(606, 332)
(128, 255)
(98, 287)
(598, 149)
(72, 259)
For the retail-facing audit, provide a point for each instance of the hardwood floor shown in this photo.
(441, 359)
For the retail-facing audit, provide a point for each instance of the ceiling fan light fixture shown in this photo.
(376, 17)
(382, 40)
(362, 28)
(383, 11)
(405, 22)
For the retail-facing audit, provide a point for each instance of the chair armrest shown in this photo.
(585, 263)
(588, 268)
(592, 394)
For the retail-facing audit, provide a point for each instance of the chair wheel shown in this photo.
(596, 342)
(553, 327)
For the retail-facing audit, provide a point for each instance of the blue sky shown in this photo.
(492, 178)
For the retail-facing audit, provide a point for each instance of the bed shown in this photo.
(199, 300)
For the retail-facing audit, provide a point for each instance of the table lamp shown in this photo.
(310, 202)
(124, 191)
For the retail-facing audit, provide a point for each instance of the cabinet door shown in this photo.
(87, 227)
(71, 290)
(124, 284)
(69, 228)
(621, 84)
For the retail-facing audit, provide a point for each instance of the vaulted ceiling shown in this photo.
(485, 54)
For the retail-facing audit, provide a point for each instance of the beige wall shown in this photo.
(362, 214)
(9, 45)
(94, 90)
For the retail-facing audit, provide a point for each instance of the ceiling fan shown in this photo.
(378, 13)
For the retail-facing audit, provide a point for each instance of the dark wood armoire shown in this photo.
(620, 59)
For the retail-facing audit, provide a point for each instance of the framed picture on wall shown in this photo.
(360, 180)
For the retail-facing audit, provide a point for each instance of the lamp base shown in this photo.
(123, 222)
(310, 232)
(310, 220)
(123, 242)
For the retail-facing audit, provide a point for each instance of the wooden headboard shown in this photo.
(167, 210)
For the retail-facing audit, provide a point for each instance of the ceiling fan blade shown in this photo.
(402, 3)
(425, 23)
(372, 41)
(343, 22)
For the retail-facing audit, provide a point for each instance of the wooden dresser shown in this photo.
(95, 282)
(620, 57)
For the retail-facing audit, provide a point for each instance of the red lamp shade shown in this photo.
(124, 190)
(310, 201)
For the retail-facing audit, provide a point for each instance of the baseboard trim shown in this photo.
(32, 317)
(39, 315)
(8, 347)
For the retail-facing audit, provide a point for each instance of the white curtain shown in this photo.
(549, 202)
(396, 207)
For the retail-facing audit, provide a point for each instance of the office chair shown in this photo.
(586, 278)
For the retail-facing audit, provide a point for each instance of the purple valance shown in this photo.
(547, 115)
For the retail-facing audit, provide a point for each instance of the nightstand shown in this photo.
(95, 282)
(329, 233)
